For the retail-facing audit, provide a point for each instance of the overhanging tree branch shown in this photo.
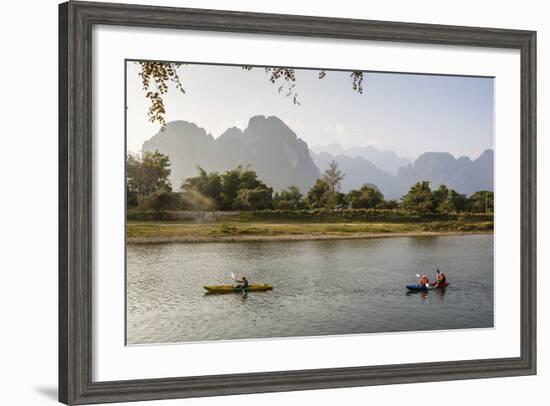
(157, 76)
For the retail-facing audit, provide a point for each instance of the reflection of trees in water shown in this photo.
(423, 242)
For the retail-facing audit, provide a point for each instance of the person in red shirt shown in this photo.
(441, 280)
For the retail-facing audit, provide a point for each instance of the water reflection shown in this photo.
(437, 293)
(441, 293)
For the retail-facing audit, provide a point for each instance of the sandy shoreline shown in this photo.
(294, 237)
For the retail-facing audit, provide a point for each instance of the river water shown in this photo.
(320, 288)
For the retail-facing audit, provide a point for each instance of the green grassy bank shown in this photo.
(303, 225)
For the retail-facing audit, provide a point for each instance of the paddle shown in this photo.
(234, 278)
(244, 292)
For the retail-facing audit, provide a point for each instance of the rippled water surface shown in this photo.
(320, 288)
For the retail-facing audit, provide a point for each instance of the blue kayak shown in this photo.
(419, 288)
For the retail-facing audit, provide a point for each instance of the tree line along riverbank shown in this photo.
(148, 188)
(237, 205)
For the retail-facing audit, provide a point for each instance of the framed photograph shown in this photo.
(258, 202)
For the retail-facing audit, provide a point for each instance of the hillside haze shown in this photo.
(462, 174)
(359, 171)
(281, 159)
(268, 146)
(386, 160)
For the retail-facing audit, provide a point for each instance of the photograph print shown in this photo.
(274, 202)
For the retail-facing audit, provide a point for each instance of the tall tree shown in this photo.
(147, 173)
(252, 193)
(333, 178)
(259, 198)
(230, 186)
(248, 179)
(455, 202)
(440, 196)
(367, 197)
(237, 188)
(419, 198)
(209, 185)
(482, 201)
(317, 195)
(288, 199)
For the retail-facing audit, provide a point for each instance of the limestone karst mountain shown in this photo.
(267, 145)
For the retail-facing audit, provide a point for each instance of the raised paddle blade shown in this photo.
(418, 276)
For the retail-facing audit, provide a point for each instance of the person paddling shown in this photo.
(242, 283)
(441, 279)
(423, 281)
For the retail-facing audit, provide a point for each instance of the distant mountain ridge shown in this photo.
(386, 160)
(358, 171)
(462, 174)
(282, 159)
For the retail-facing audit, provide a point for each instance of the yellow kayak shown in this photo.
(231, 289)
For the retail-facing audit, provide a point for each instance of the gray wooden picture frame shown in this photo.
(76, 20)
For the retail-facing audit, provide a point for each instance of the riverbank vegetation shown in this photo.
(237, 204)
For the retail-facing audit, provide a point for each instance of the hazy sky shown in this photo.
(409, 114)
